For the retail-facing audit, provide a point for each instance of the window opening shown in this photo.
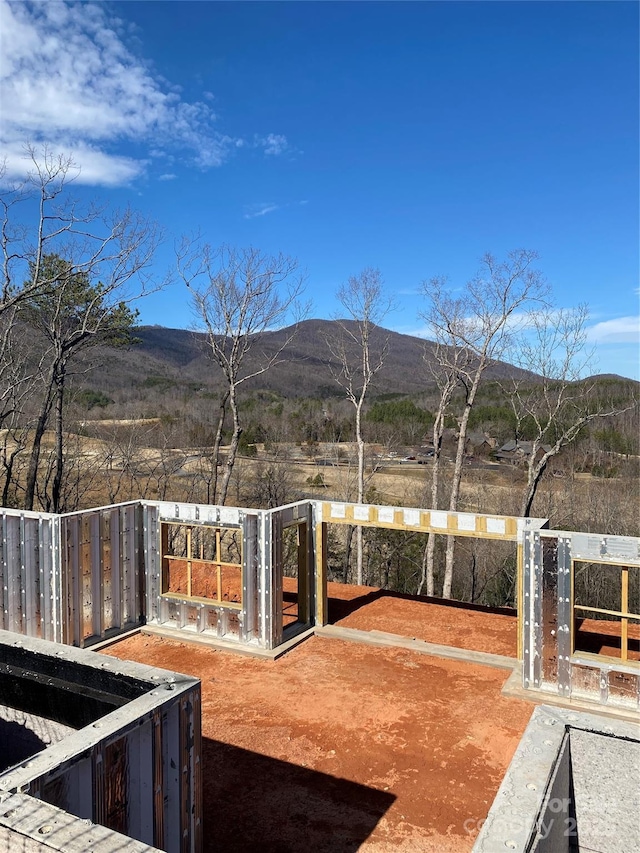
(606, 610)
(202, 562)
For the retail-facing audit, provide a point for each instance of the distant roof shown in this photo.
(524, 447)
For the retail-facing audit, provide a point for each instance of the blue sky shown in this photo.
(413, 137)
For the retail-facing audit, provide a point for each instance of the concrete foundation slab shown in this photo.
(382, 638)
(572, 786)
(606, 785)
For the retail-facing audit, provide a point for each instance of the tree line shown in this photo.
(73, 276)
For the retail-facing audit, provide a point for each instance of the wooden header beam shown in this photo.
(504, 527)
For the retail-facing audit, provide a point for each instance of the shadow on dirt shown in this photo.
(253, 802)
(589, 639)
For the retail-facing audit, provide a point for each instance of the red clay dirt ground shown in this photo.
(339, 746)
(449, 623)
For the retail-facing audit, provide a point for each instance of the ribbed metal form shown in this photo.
(551, 663)
(135, 769)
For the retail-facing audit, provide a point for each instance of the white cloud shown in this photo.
(415, 331)
(254, 210)
(168, 176)
(621, 330)
(261, 209)
(274, 144)
(93, 166)
(68, 81)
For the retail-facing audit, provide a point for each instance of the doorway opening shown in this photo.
(296, 610)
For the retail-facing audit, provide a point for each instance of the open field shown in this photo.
(111, 470)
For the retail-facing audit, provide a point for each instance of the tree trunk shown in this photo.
(457, 479)
(535, 471)
(359, 561)
(212, 488)
(233, 448)
(56, 489)
(8, 461)
(427, 574)
(41, 424)
(438, 429)
(360, 440)
(347, 554)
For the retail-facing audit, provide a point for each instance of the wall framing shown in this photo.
(551, 665)
(84, 577)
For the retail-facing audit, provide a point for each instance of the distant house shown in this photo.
(517, 452)
(447, 444)
(479, 444)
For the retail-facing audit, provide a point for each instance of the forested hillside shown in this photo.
(490, 416)
(303, 369)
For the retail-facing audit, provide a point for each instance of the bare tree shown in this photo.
(360, 348)
(479, 324)
(271, 484)
(18, 384)
(557, 405)
(238, 295)
(114, 246)
(109, 251)
(444, 364)
(22, 249)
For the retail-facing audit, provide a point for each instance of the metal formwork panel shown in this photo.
(31, 585)
(13, 578)
(549, 588)
(533, 610)
(600, 548)
(158, 780)
(300, 513)
(140, 791)
(311, 562)
(95, 568)
(102, 568)
(29, 574)
(530, 544)
(135, 769)
(238, 624)
(47, 541)
(276, 578)
(250, 602)
(563, 633)
(29, 820)
(172, 770)
(69, 535)
(130, 567)
(155, 604)
(190, 771)
(265, 592)
(562, 670)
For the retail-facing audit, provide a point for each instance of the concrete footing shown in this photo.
(572, 785)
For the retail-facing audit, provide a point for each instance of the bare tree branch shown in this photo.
(472, 332)
(238, 295)
(360, 349)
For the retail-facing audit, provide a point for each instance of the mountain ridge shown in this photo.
(306, 366)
